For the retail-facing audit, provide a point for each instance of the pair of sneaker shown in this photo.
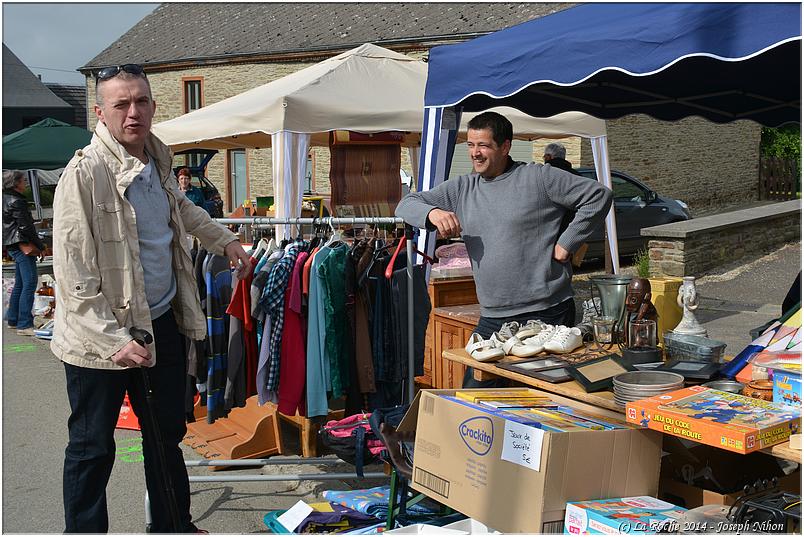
(536, 336)
(524, 341)
(507, 340)
(561, 339)
(518, 340)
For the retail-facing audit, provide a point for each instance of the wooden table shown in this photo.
(602, 399)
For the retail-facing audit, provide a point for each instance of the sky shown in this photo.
(54, 39)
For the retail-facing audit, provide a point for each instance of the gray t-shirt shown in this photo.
(510, 225)
(152, 211)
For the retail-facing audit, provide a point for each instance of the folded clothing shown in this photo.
(373, 502)
(452, 256)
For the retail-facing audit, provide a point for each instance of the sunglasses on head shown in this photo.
(110, 72)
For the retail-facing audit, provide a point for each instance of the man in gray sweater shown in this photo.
(509, 215)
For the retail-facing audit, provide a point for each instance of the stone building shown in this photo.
(199, 54)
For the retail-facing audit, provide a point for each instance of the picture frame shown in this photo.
(595, 375)
(692, 370)
(551, 368)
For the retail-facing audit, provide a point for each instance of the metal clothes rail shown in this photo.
(335, 221)
(331, 221)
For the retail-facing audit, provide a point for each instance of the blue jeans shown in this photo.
(95, 398)
(22, 297)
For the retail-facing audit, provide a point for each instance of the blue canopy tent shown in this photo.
(722, 62)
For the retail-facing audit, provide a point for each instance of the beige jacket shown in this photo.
(100, 285)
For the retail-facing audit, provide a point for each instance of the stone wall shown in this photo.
(696, 246)
(707, 165)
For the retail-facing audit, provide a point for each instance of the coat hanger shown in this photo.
(389, 270)
(262, 247)
(336, 237)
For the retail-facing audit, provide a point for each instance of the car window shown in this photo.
(625, 189)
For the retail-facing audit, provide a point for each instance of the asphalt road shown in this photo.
(35, 411)
(733, 301)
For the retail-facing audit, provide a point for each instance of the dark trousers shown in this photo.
(563, 313)
(95, 398)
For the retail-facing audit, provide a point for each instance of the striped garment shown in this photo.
(273, 304)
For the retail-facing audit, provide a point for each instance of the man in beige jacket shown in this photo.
(121, 260)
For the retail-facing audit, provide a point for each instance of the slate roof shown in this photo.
(22, 88)
(178, 32)
(75, 96)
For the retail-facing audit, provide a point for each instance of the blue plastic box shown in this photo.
(787, 388)
(642, 515)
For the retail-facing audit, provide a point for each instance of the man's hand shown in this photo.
(560, 254)
(238, 258)
(446, 223)
(133, 355)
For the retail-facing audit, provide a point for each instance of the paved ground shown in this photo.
(733, 301)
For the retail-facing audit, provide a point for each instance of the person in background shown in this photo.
(121, 262)
(193, 193)
(510, 214)
(18, 227)
(555, 155)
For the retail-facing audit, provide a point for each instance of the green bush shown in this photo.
(642, 263)
(782, 142)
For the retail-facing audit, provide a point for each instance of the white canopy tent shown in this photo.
(367, 89)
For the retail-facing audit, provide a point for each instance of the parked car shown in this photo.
(212, 198)
(635, 206)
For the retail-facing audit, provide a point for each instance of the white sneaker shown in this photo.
(506, 340)
(564, 340)
(483, 350)
(542, 337)
(509, 329)
(530, 329)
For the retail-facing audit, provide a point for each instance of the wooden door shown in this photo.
(448, 375)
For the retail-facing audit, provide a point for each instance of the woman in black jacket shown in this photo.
(18, 227)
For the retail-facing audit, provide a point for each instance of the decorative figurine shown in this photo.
(688, 300)
(637, 300)
(638, 306)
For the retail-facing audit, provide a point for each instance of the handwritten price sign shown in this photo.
(522, 444)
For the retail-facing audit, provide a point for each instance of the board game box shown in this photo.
(640, 514)
(724, 420)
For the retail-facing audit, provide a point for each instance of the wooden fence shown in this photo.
(779, 178)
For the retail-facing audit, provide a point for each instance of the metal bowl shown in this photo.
(650, 380)
(731, 386)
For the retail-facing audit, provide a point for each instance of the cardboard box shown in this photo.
(729, 421)
(263, 211)
(641, 515)
(787, 388)
(458, 461)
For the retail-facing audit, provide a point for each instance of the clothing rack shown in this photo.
(331, 221)
(336, 221)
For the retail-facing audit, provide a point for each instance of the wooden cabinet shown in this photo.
(449, 335)
(444, 292)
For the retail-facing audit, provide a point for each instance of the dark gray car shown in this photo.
(635, 206)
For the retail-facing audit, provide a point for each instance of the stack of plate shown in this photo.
(636, 385)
